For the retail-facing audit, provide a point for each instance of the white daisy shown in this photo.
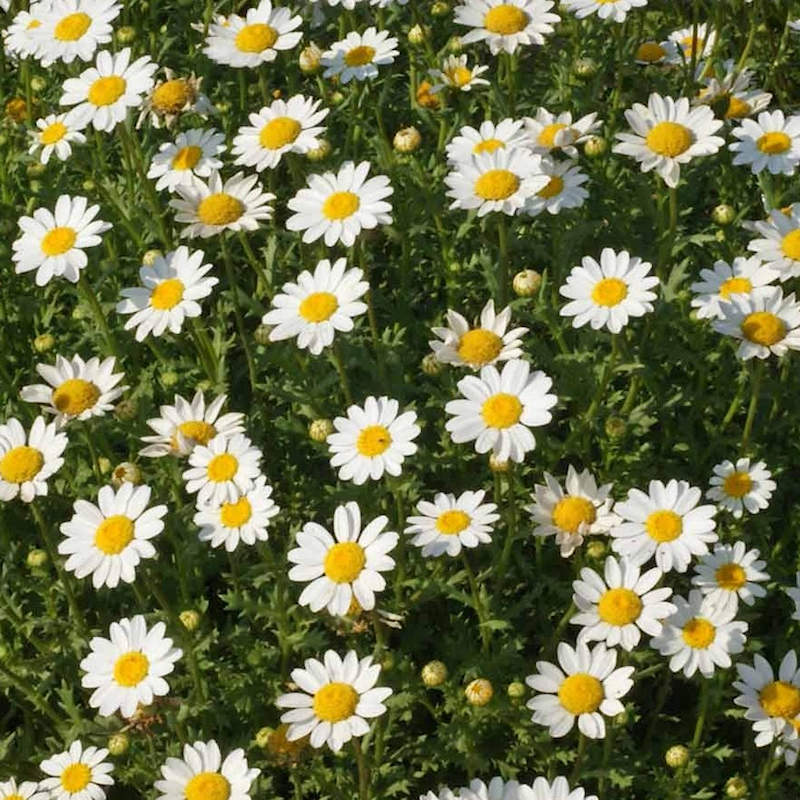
(372, 440)
(506, 25)
(557, 132)
(55, 134)
(128, 669)
(741, 486)
(794, 596)
(172, 97)
(587, 687)
(19, 37)
(771, 143)
(731, 573)
(733, 86)
(108, 540)
(27, 461)
(718, 284)
(455, 74)
(358, 55)
(607, 294)
(79, 773)
(667, 523)
(505, 135)
(564, 188)
(779, 245)
(335, 700)
(223, 470)
(692, 44)
(339, 205)
(73, 29)
(615, 10)
(192, 156)
(317, 305)
(26, 790)
(52, 243)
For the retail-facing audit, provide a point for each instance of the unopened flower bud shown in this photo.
(723, 214)
(615, 427)
(479, 692)
(320, 429)
(35, 186)
(118, 743)
(126, 34)
(516, 690)
(595, 146)
(431, 365)
(190, 619)
(38, 83)
(16, 109)
(336, 98)
(434, 673)
(526, 283)
(309, 59)
(44, 342)
(88, 185)
(223, 106)
(407, 140)
(35, 170)
(169, 378)
(454, 44)
(261, 334)
(104, 465)
(126, 409)
(677, 756)
(36, 558)
(736, 787)
(497, 465)
(150, 256)
(417, 34)
(440, 8)
(596, 549)
(126, 472)
(387, 661)
(320, 152)
(585, 68)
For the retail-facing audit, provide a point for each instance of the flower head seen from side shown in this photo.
(554, 134)
(223, 470)
(498, 409)
(79, 773)
(692, 45)
(128, 669)
(718, 284)
(613, 10)
(504, 26)
(741, 486)
(653, 52)
(666, 523)
(455, 74)
(731, 573)
(53, 243)
(779, 245)
(25, 790)
(507, 134)
(55, 134)
(73, 29)
(336, 697)
(171, 98)
(564, 189)
(734, 87)
(372, 439)
(358, 55)
(318, 305)
(771, 142)
(586, 686)
(449, 523)
(186, 161)
(108, 540)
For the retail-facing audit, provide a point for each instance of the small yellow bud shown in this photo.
(677, 756)
(479, 692)
(434, 673)
(36, 558)
(320, 429)
(190, 619)
(44, 342)
(526, 283)
(118, 743)
(407, 140)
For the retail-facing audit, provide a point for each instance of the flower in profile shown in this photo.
(55, 134)
(455, 74)
(733, 88)
(731, 573)
(358, 55)
(772, 143)
(172, 97)
(504, 26)
(724, 280)
(192, 156)
(79, 773)
(549, 134)
(741, 486)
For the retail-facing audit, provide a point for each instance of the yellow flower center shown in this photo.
(554, 187)
(359, 56)
(496, 184)
(172, 96)
(198, 430)
(790, 244)
(688, 44)
(734, 286)
(58, 241)
(449, 523)
(318, 306)
(335, 702)
(780, 699)
(478, 347)
(234, 515)
(619, 607)
(14, 796)
(167, 294)
(581, 693)
(341, 205)
(501, 410)
(220, 209)
(279, 132)
(131, 668)
(75, 778)
(208, 786)
(459, 75)
(650, 52)
(737, 108)
(21, 464)
(373, 441)
(75, 396)
(488, 146)
(669, 139)
(34, 23)
(698, 633)
(737, 484)
(609, 292)
(72, 27)
(222, 467)
(547, 137)
(187, 157)
(114, 534)
(764, 328)
(570, 513)
(774, 143)
(256, 38)
(731, 577)
(53, 133)
(505, 19)
(105, 91)
(664, 526)
(344, 562)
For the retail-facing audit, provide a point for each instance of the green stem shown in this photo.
(336, 357)
(755, 391)
(576, 769)
(702, 712)
(608, 369)
(763, 780)
(750, 39)
(237, 314)
(363, 770)
(480, 609)
(502, 244)
(99, 316)
(511, 532)
(23, 687)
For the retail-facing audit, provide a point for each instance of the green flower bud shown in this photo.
(36, 558)
(596, 549)
(677, 756)
(169, 378)
(440, 8)
(126, 409)
(118, 743)
(261, 334)
(321, 151)
(126, 34)
(526, 283)
(407, 140)
(431, 365)
(615, 427)
(585, 68)
(38, 83)
(516, 690)
(736, 787)
(190, 619)
(262, 736)
(44, 342)
(723, 215)
(320, 429)
(417, 34)
(434, 673)
(150, 256)
(595, 146)
(104, 464)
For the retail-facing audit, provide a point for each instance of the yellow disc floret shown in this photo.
(53, 133)
(114, 534)
(187, 157)
(581, 693)
(764, 328)
(452, 522)
(496, 184)
(72, 27)
(58, 241)
(256, 38)
(341, 205)
(501, 410)
(359, 56)
(619, 607)
(730, 576)
(222, 467)
(234, 515)
(105, 91)
(790, 244)
(208, 786)
(553, 188)
(737, 484)
(774, 143)
(664, 525)
(74, 396)
(131, 668)
(318, 306)
(373, 440)
(734, 286)
(479, 347)
(344, 562)
(167, 294)
(669, 139)
(609, 292)
(171, 96)
(21, 464)
(505, 19)
(279, 132)
(75, 777)
(335, 702)
(572, 513)
(220, 209)
(488, 146)
(780, 699)
(699, 633)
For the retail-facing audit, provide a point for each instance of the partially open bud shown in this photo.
(431, 365)
(585, 68)
(320, 429)
(417, 34)
(526, 283)
(440, 8)
(126, 34)
(595, 146)
(596, 549)
(309, 59)
(496, 465)
(434, 673)
(150, 256)
(126, 472)
(736, 787)
(479, 692)
(320, 152)
(36, 558)
(190, 619)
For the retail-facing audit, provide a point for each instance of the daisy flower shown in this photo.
(108, 540)
(497, 789)
(172, 97)
(128, 669)
(79, 773)
(652, 52)
(607, 294)
(245, 519)
(504, 26)
(764, 321)
(223, 470)
(498, 180)
(285, 126)
(186, 424)
(55, 134)
(184, 162)
(76, 389)
(52, 243)
(779, 245)
(170, 291)
(772, 143)
(581, 510)
(733, 87)
(587, 687)
(548, 132)
(488, 343)
(794, 596)
(668, 133)
(731, 573)
(615, 10)
(254, 39)
(450, 523)
(718, 284)
(690, 43)
(564, 189)
(202, 774)
(700, 635)
(339, 205)
(455, 74)
(337, 696)
(505, 135)
(358, 55)
(372, 440)
(27, 461)
(19, 37)
(318, 305)
(27, 790)
(210, 207)
(73, 29)
(103, 94)
(616, 607)
(667, 523)
(741, 486)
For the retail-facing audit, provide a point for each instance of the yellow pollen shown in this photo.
(222, 467)
(72, 27)
(220, 209)
(167, 294)
(198, 431)
(75, 777)
(554, 187)
(479, 347)
(731, 577)
(547, 137)
(21, 464)
(105, 91)
(114, 534)
(344, 562)
(53, 133)
(664, 526)
(699, 633)
(335, 702)
(734, 286)
(571, 513)
(619, 607)
(488, 146)
(773, 143)
(505, 19)
(208, 786)
(501, 410)
(650, 52)
(256, 38)
(131, 668)
(737, 108)
(58, 241)
(234, 515)
(581, 693)
(341, 205)
(780, 699)
(737, 484)
(449, 523)
(359, 56)
(459, 75)
(496, 184)
(790, 244)
(75, 396)
(187, 157)
(764, 328)
(171, 96)
(318, 306)
(609, 292)
(669, 139)
(279, 132)
(373, 440)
